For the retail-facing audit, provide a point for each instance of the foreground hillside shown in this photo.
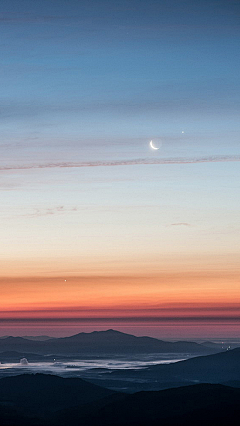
(43, 400)
(192, 405)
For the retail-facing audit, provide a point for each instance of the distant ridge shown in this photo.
(38, 338)
(102, 342)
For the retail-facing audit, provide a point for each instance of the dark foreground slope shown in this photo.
(192, 405)
(44, 393)
(43, 400)
(102, 343)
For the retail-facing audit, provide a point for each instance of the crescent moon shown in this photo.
(152, 146)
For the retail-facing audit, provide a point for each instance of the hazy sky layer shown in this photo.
(93, 223)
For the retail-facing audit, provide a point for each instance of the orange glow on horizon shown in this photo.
(166, 297)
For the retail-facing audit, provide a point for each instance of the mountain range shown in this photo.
(102, 342)
(38, 338)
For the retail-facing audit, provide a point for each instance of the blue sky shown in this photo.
(73, 71)
(85, 83)
(96, 80)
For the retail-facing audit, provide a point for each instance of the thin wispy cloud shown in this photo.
(51, 211)
(133, 162)
(171, 311)
(125, 319)
(31, 18)
(180, 224)
(201, 95)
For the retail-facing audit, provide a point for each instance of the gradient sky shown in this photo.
(98, 230)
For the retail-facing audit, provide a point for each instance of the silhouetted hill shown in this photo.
(113, 340)
(212, 368)
(45, 400)
(232, 383)
(192, 405)
(43, 393)
(39, 338)
(101, 342)
(217, 346)
(216, 368)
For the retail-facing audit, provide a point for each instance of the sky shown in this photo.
(97, 229)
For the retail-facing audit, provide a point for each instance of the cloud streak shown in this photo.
(133, 162)
(51, 211)
(126, 319)
(180, 224)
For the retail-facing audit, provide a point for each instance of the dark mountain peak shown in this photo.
(113, 332)
(106, 341)
(104, 332)
(100, 334)
(14, 339)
